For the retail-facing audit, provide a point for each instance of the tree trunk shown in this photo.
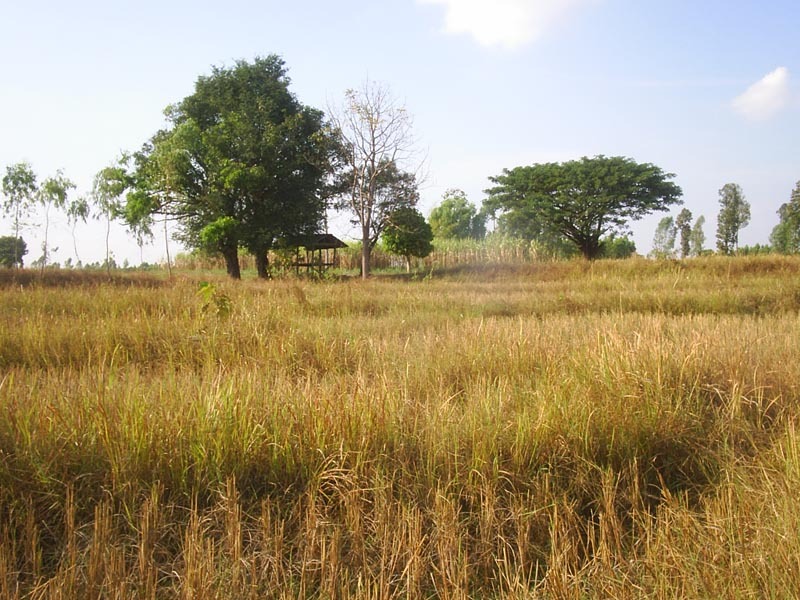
(17, 257)
(262, 264)
(75, 242)
(366, 253)
(108, 251)
(590, 248)
(408, 264)
(232, 262)
(166, 249)
(44, 245)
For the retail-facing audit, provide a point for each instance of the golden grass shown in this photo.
(563, 430)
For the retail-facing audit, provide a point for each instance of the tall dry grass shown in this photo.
(562, 430)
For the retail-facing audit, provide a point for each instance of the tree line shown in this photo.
(243, 165)
(733, 216)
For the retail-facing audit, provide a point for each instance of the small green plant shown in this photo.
(214, 301)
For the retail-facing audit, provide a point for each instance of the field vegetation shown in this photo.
(616, 429)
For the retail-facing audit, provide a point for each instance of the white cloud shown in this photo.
(508, 23)
(766, 97)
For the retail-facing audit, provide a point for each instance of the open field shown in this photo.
(620, 429)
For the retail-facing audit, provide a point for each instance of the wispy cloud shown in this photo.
(766, 97)
(507, 23)
(687, 83)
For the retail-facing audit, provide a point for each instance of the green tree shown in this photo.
(78, 210)
(457, 218)
(785, 237)
(108, 190)
(52, 194)
(734, 215)
(12, 249)
(683, 224)
(244, 164)
(697, 238)
(526, 224)
(375, 146)
(408, 234)
(617, 246)
(583, 200)
(664, 238)
(19, 188)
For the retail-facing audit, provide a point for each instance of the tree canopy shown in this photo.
(582, 200)
(244, 164)
(457, 218)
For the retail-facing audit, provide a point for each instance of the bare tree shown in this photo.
(380, 159)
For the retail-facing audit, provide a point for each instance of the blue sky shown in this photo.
(705, 89)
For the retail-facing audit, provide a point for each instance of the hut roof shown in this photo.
(321, 241)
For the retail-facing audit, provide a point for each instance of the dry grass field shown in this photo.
(622, 429)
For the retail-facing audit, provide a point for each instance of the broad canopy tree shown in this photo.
(582, 200)
(244, 164)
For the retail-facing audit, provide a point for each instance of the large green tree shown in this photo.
(243, 164)
(582, 200)
(457, 218)
(734, 214)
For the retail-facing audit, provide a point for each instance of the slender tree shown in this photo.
(376, 149)
(697, 238)
(734, 215)
(107, 191)
(78, 210)
(683, 223)
(52, 194)
(664, 238)
(20, 189)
